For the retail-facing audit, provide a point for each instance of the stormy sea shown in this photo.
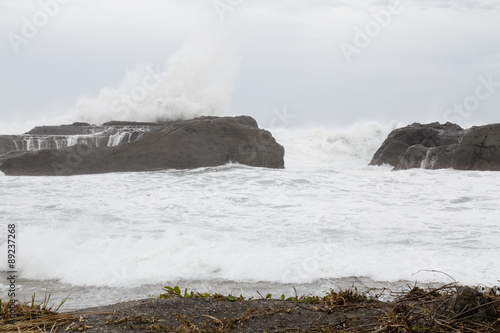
(328, 220)
(329, 80)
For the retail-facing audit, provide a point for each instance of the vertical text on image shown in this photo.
(11, 260)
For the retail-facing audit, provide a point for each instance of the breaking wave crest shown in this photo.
(197, 80)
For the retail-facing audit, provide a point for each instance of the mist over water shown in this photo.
(196, 81)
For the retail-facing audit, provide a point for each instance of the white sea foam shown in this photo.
(353, 145)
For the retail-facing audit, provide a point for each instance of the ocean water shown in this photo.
(327, 220)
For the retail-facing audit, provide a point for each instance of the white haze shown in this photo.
(262, 57)
(197, 80)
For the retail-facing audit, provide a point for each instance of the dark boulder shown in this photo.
(469, 303)
(479, 149)
(200, 142)
(438, 146)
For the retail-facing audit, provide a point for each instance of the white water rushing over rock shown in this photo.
(35, 142)
(326, 220)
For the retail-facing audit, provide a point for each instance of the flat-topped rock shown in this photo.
(200, 142)
(73, 129)
(129, 123)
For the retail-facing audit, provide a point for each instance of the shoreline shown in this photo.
(81, 297)
(449, 308)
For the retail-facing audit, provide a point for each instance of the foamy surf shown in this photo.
(130, 229)
(327, 218)
(324, 147)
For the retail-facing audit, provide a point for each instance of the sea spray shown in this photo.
(197, 80)
(333, 147)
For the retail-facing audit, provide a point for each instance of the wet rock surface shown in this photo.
(200, 142)
(439, 146)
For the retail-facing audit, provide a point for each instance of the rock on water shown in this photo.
(200, 142)
(57, 137)
(439, 146)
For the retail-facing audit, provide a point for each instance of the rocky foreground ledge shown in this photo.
(82, 148)
(440, 146)
(450, 308)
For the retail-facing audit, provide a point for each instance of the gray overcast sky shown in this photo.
(285, 62)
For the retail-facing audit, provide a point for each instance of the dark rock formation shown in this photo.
(469, 303)
(88, 129)
(73, 129)
(479, 149)
(7, 144)
(200, 142)
(56, 137)
(128, 123)
(438, 146)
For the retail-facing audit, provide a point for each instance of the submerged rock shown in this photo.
(200, 142)
(439, 146)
